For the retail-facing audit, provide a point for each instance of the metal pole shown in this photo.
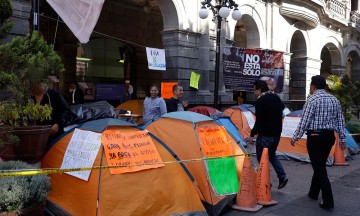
(35, 6)
(217, 62)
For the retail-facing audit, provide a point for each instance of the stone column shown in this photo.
(285, 94)
(182, 57)
(21, 17)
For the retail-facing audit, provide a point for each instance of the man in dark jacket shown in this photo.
(174, 104)
(268, 126)
(77, 94)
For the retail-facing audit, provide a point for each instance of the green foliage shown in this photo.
(353, 127)
(346, 91)
(5, 13)
(30, 59)
(5, 29)
(5, 9)
(13, 114)
(23, 191)
(25, 61)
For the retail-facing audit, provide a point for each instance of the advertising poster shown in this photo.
(242, 67)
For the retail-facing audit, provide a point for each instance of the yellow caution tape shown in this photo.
(27, 172)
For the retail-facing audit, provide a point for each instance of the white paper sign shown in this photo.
(289, 127)
(81, 152)
(80, 16)
(250, 118)
(156, 58)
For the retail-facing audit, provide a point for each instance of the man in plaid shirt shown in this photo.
(322, 116)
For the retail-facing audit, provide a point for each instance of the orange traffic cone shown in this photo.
(246, 197)
(263, 189)
(339, 156)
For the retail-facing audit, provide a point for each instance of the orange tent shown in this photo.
(135, 106)
(178, 130)
(167, 190)
(241, 115)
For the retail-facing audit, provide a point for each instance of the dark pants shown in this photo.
(319, 145)
(271, 143)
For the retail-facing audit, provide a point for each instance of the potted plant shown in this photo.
(26, 61)
(22, 195)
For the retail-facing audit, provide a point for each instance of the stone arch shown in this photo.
(353, 62)
(298, 63)
(305, 37)
(254, 30)
(168, 10)
(332, 57)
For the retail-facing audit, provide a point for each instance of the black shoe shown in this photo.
(312, 197)
(328, 208)
(282, 183)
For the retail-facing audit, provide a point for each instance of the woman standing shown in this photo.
(154, 106)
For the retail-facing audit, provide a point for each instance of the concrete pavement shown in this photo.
(293, 200)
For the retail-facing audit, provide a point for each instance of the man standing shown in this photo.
(77, 94)
(322, 116)
(174, 104)
(268, 126)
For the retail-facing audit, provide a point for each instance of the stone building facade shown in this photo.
(316, 36)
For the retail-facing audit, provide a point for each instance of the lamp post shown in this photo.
(220, 10)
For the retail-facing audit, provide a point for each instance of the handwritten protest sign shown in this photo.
(166, 89)
(134, 151)
(250, 118)
(194, 80)
(216, 142)
(156, 58)
(289, 127)
(81, 152)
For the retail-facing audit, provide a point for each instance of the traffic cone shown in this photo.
(339, 155)
(246, 197)
(263, 188)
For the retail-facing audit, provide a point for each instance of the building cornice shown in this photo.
(300, 13)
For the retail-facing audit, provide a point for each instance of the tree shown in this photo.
(5, 13)
(347, 92)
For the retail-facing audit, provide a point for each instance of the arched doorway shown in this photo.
(353, 66)
(298, 64)
(247, 33)
(331, 61)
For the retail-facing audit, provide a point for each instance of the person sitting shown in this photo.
(42, 95)
(154, 106)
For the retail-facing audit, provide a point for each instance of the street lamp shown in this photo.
(221, 10)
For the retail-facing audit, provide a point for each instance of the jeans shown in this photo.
(271, 143)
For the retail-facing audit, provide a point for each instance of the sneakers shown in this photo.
(282, 183)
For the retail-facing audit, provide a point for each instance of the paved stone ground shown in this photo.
(293, 200)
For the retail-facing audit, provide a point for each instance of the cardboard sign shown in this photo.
(81, 152)
(133, 151)
(216, 142)
(166, 89)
